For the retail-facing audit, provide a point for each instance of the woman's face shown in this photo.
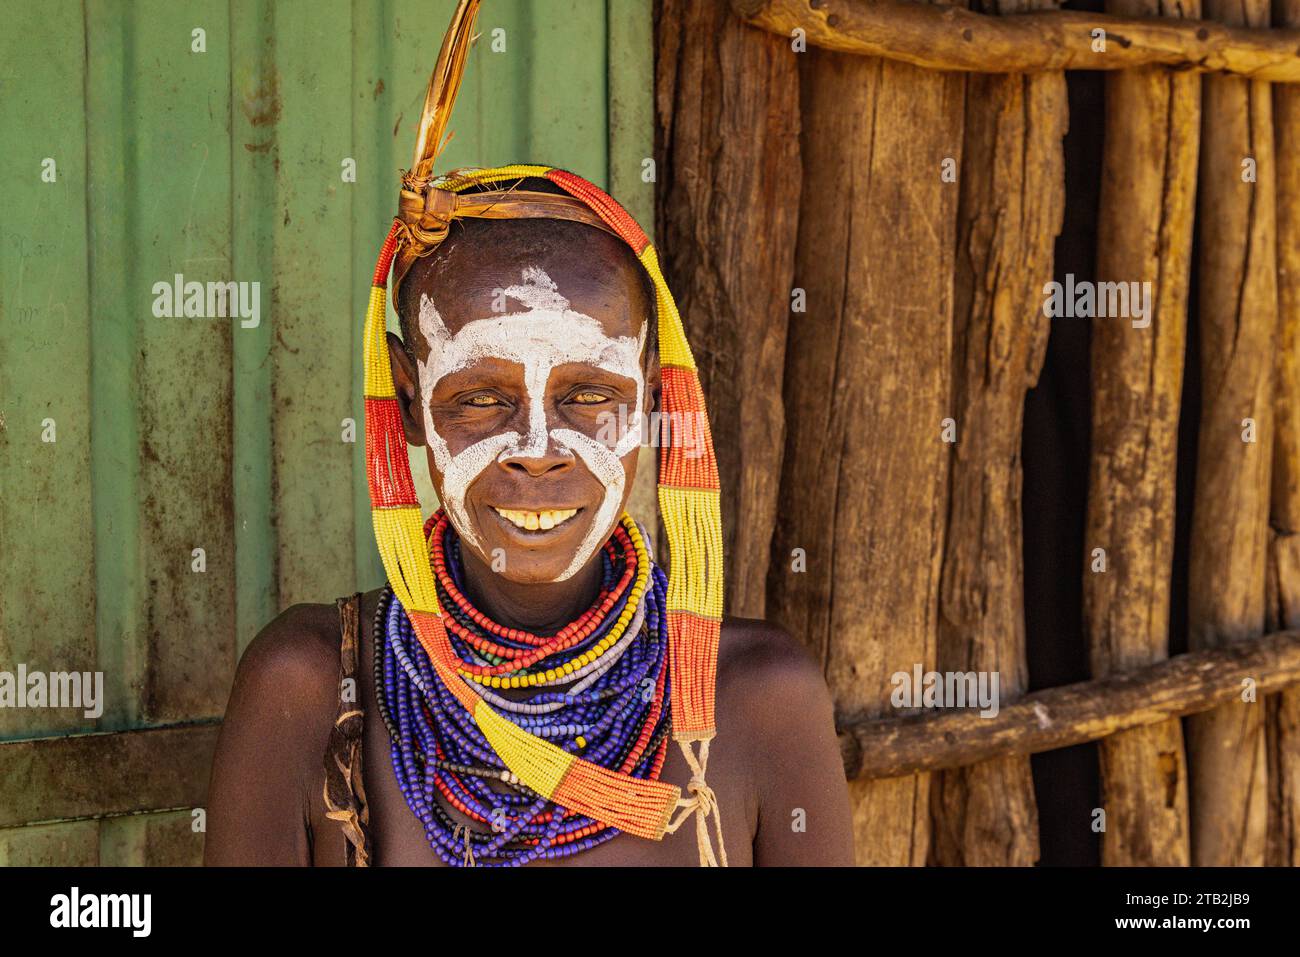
(531, 392)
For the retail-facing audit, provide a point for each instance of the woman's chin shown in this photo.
(524, 565)
(536, 575)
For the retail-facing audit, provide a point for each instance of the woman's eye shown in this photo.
(589, 398)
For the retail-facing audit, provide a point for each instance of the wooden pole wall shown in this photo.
(1238, 326)
(1148, 198)
(727, 107)
(1283, 715)
(1012, 199)
(867, 386)
(890, 546)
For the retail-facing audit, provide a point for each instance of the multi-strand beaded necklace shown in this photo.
(596, 688)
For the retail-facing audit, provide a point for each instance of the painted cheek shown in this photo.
(459, 471)
(609, 471)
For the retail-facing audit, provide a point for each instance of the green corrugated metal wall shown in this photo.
(220, 165)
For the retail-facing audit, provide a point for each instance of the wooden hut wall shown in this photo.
(861, 214)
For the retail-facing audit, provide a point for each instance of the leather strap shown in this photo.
(345, 790)
(427, 218)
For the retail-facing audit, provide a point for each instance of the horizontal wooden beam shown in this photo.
(126, 772)
(1071, 714)
(104, 774)
(954, 38)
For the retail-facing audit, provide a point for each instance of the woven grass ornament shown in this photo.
(688, 485)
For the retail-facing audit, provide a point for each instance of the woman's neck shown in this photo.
(542, 608)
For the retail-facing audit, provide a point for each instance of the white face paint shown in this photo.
(545, 334)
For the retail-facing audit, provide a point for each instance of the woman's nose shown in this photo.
(535, 464)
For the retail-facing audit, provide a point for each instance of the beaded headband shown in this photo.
(688, 484)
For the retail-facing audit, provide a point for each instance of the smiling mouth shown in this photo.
(535, 521)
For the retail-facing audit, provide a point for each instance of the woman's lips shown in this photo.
(536, 520)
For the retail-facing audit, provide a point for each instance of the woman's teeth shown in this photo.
(532, 521)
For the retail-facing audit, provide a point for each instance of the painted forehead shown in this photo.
(466, 275)
(527, 321)
(616, 301)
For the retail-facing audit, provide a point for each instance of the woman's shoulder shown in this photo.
(756, 644)
(268, 767)
(761, 667)
(300, 646)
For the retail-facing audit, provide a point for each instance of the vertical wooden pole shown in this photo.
(1238, 324)
(1148, 196)
(1283, 716)
(728, 125)
(856, 553)
(1012, 199)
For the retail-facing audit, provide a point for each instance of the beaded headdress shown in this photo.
(688, 484)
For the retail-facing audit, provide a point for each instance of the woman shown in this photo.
(518, 688)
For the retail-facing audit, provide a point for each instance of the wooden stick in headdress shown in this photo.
(688, 481)
(426, 207)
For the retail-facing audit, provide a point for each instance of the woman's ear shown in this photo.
(653, 386)
(406, 382)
